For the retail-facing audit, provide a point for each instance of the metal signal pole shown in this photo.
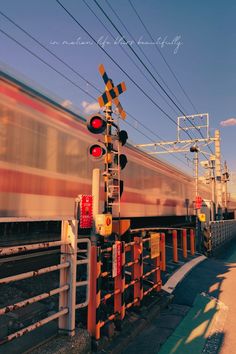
(108, 158)
(218, 174)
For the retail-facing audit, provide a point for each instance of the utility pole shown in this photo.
(225, 186)
(196, 165)
(213, 187)
(218, 174)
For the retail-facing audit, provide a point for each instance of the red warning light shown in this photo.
(96, 151)
(96, 123)
(108, 221)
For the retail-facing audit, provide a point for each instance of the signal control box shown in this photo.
(104, 224)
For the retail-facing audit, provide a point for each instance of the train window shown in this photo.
(3, 132)
(23, 139)
(73, 156)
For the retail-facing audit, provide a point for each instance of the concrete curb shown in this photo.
(181, 273)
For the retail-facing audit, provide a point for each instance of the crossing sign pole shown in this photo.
(108, 159)
(110, 95)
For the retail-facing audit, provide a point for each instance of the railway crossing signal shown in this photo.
(96, 124)
(96, 152)
(114, 138)
(123, 137)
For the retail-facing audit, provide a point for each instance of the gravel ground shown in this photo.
(79, 344)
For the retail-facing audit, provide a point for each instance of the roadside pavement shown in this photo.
(202, 317)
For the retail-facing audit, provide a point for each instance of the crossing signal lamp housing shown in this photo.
(122, 161)
(96, 124)
(96, 152)
(123, 137)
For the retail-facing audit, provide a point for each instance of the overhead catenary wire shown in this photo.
(163, 57)
(166, 62)
(73, 70)
(144, 65)
(141, 61)
(130, 58)
(148, 60)
(142, 51)
(48, 50)
(112, 59)
(66, 78)
(44, 62)
(119, 66)
(73, 83)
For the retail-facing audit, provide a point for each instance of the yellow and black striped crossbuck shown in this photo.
(112, 92)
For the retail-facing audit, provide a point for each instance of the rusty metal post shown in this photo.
(192, 242)
(175, 246)
(184, 243)
(93, 324)
(119, 285)
(163, 252)
(157, 266)
(67, 299)
(137, 269)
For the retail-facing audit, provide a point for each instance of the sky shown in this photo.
(195, 38)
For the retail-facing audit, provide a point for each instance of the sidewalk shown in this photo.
(202, 318)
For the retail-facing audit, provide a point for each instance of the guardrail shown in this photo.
(74, 253)
(219, 233)
(127, 272)
(117, 275)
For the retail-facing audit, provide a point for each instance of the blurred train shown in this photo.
(44, 163)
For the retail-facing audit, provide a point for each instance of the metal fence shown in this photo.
(125, 272)
(220, 233)
(74, 253)
(116, 275)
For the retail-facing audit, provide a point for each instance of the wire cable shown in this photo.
(162, 88)
(166, 62)
(127, 54)
(118, 65)
(66, 78)
(122, 23)
(44, 62)
(140, 60)
(142, 51)
(48, 50)
(163, 57)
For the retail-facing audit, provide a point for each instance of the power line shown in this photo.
(66, 78)
(163, 57)
(169, 67)
(101, 9)
(140, 60)
(48, 50)
(76, 72)
(113, 60)
(127, 54)
(43, 61)
(142, 51)
(122, 23)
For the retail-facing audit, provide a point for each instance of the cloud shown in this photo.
(228, 122)
(66, 103)
(90, 107)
